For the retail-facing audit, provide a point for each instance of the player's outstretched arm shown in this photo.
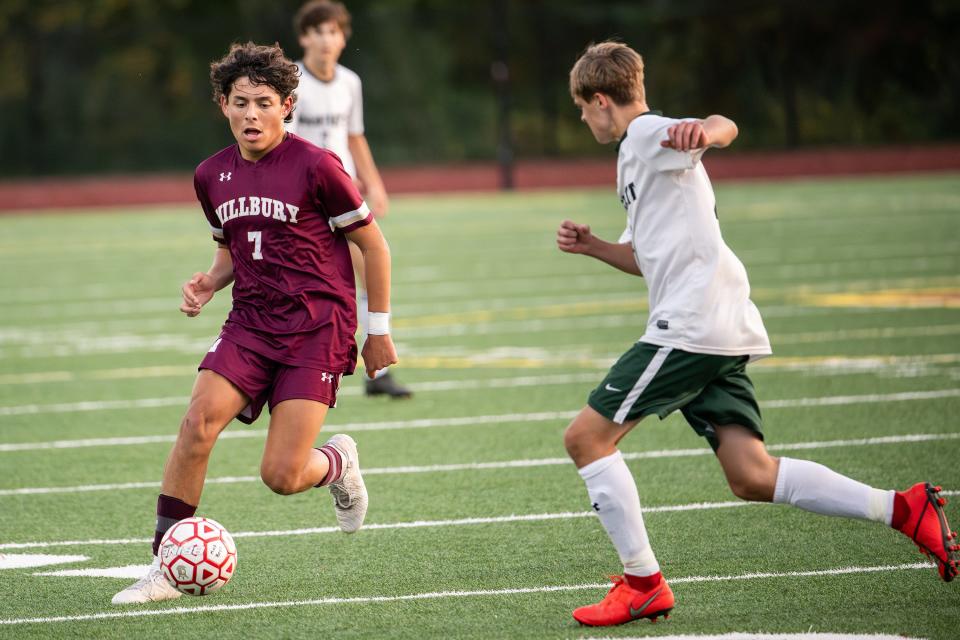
(577, 238)
(199, 289)
(378, 350)
(375, 193)
(714, 131)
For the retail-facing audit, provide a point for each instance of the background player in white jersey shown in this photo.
(701, 332)
(330, 114)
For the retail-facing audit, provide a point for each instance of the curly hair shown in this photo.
(261, 64)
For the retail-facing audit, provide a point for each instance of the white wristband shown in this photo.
(378, 323)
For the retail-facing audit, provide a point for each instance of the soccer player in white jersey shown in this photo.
(330, 114)
(701, 332)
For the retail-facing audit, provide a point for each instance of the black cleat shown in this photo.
(385, 385)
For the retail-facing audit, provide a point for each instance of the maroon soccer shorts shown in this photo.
(267, 381)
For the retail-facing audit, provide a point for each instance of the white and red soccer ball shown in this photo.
(197, 556)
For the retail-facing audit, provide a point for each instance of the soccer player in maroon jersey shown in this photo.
(281, 211)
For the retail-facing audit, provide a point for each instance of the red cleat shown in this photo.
(623, 603)
(927, 526)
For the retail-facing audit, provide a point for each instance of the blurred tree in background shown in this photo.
(121, 85)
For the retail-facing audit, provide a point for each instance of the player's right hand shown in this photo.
(197, 291)
(378, 352)
(573, 237)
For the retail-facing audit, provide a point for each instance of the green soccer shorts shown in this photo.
(708, 389)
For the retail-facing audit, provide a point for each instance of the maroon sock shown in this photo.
(170, 511)
(643, 583)
(901, 510)
(335, 458)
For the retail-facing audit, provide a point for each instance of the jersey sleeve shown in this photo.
(355, 119)
(216, 227)
(339, 197)
(663, 158)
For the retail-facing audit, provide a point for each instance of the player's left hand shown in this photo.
(378, 352)
(686, 136)
(197, 291)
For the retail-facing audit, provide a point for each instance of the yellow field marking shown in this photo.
(945, 298)
(838, 361)
(566, 310)
(482, 361)
(34, 378)
(494, 361)
(169, 371)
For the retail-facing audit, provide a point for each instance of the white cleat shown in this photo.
(349, 494)
(152, 587)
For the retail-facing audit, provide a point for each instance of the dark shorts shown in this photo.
(709, 390)
(267, 381)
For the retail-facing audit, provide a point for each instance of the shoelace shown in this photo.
(153, 577)
(340, 495)
(618, 582)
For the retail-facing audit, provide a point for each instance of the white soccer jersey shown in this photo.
(327, 113)
(699, 293)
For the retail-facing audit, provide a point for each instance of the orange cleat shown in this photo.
(927, 526)
(623, 603)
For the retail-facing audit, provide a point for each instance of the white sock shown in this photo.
(613, 494)
(363, 316)
(814, 487)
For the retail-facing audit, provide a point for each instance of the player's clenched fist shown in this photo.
(686, 136)
(378, 353)
(573, 237)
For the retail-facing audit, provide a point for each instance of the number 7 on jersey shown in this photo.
(254, 237)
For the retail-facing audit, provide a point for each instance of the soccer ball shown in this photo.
(197, 556)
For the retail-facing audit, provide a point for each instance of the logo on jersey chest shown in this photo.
(225, 176)
(257, 206)
(629, 196)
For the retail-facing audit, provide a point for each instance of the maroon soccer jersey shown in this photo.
(283, 219)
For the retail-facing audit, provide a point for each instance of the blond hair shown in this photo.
(611, 68)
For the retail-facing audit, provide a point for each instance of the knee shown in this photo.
(280, 479)
(575, 440)
(197, 432)
(754, 486)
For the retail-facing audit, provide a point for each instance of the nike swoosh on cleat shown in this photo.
(609, 388)
(636, 613)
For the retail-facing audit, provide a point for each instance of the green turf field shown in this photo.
(478, 527)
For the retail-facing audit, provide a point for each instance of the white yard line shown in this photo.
(738, 635)
(461, 421)
(822, 365)
(139, 613)
(508, 464)
(26, 561)
(59, 344)
(416, 524)
(829, 363)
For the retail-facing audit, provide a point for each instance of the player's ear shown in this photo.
(287, 106)
(223, 105)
